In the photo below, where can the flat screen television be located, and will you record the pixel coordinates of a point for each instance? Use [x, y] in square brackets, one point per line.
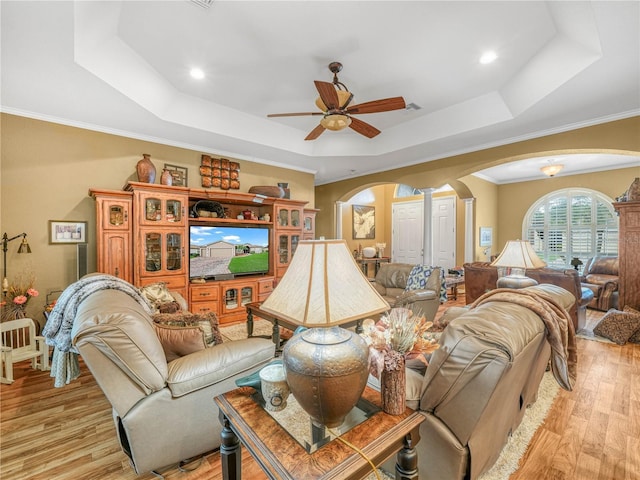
[223, 251]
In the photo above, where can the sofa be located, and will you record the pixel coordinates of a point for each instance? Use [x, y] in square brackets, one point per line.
[479, 382]
[391, 282]
[163, 411]
[481, 277]
[600, 276]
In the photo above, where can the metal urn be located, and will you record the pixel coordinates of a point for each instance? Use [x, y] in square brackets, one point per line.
[327, 370]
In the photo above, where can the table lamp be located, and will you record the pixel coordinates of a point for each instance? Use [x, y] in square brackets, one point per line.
[576, 262]
[517, 256]
[326, 366]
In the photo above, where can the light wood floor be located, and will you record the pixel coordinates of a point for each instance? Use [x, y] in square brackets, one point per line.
[590, 433]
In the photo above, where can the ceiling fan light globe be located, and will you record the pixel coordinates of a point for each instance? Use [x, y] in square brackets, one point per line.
[343, 96]
[335, 122]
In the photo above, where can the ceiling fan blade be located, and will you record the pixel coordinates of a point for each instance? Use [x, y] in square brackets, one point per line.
[299, 114]
[363, 128]
[328, 94]
[315, 133]
[375, 106]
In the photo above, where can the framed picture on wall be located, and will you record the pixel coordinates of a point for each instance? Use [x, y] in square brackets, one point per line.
[64, 231]
[364, 222]
[486, 236]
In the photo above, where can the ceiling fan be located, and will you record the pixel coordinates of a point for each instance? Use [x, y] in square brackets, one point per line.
[336, 113]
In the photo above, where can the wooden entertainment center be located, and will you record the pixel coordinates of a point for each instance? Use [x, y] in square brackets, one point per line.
[143, 237]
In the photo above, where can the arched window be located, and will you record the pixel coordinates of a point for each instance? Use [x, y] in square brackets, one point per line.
[403, 191]
[572, 223]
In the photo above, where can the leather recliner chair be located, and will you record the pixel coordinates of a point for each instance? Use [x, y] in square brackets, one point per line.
[163, 412]
[391, 282]
[478, 384]
[600, 275]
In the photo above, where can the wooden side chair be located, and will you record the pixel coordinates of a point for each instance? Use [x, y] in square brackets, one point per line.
[20, 342]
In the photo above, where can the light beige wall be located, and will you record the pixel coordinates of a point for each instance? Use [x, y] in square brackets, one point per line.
[47, 170]
[515, 199]
[621, 137]
[376, 197]
[485, 209]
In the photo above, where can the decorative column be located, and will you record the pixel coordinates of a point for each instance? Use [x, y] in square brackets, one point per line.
[468, 230]
[338, 219]
[427, 240]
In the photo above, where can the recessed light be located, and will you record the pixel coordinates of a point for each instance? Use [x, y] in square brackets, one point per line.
[197, 73]
[488, 57]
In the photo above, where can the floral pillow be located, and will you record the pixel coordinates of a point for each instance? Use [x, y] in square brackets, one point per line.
[157, 294]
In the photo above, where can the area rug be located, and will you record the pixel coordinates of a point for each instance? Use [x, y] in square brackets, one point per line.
[587, 334]
[517, 444]
[239, 331]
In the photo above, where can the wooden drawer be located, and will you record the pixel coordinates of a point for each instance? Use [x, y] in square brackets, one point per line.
[173, 282]
[204, 294]
[265, 286]
[204, 307]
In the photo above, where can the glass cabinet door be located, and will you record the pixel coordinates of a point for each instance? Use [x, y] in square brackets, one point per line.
[174, 251]
[117, 215]
[247, 295]
[231, 298]
[163, 252]
[283, 217]
[283, 249]
[153, 209]
[173, 211]
[295, 218]
[153, 252]
[294, 243]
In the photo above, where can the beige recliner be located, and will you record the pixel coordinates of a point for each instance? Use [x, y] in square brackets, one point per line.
[391, 282]
[163, 412]
[478, 385]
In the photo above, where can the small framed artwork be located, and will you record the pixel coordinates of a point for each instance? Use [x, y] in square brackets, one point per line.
[178, 174]
[364, 222]
[64, 231]
[486, 236]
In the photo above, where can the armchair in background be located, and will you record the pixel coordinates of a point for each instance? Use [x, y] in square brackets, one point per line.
[600, 275]
[395, 283]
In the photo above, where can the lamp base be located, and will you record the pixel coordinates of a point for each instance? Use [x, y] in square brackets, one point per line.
[327, 370]
[515, 281]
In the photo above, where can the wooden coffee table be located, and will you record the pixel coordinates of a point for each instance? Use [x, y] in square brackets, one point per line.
[282, 457]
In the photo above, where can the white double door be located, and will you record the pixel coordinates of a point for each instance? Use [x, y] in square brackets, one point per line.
[408, 232]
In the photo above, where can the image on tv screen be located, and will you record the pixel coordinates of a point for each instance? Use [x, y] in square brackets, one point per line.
[227, 250]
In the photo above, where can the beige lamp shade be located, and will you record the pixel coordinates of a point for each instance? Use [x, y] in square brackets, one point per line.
[323, 286]
[518, 254]
[335, 122]
[343, 96]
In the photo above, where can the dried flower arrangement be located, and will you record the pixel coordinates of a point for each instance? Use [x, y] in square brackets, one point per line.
[399, 335]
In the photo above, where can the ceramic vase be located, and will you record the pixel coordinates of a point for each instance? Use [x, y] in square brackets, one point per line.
[633, 194]
[166, 178]
[393, 386]
[327, 370]
[146, 170]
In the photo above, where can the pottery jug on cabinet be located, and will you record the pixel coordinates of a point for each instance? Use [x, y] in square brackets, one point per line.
[166, 178]
[146, 170]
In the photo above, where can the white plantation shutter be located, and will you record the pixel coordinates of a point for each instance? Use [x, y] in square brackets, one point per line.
[572, 223]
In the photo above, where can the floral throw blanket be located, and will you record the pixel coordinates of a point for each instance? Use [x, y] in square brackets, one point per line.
[57, 330]
[559, 327]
